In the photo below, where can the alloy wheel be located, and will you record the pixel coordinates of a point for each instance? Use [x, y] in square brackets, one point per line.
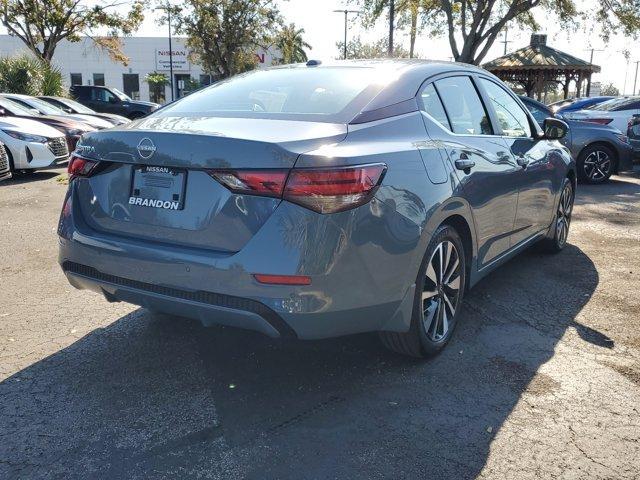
[597, 165]
[563, 220]
[441, 291]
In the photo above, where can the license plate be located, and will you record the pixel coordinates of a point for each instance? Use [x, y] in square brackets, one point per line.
[158, 187]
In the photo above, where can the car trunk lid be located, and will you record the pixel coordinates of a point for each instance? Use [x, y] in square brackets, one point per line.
[153, 183]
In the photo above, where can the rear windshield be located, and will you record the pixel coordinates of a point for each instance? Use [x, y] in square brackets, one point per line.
[327, 94]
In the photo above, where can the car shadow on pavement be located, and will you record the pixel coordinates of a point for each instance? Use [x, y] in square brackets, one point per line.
[152, 396]
[21, 178]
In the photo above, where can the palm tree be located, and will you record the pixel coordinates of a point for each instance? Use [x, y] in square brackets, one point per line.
[291, 44]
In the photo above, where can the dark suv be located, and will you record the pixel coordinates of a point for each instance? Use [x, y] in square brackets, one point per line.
[111, 100]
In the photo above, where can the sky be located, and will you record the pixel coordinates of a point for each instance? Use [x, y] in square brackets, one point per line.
[323, 28]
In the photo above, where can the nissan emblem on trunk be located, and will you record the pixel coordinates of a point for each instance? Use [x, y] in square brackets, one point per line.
[146, 148]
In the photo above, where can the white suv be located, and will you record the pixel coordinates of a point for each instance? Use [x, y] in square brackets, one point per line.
[32, 145]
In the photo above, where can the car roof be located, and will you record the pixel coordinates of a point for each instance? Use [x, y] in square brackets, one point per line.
[408, 75]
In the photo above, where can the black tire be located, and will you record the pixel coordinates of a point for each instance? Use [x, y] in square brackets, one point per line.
[561, 220]
[437, 303]
[12, 167]
[596, 163]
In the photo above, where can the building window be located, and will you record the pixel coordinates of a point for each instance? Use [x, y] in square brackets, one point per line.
[76, 79]
[131, 85]
[98, 79]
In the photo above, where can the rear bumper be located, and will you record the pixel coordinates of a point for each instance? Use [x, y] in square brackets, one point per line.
[208, 307]
[359, 283]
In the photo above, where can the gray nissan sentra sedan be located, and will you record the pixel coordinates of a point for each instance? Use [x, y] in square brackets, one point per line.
[319, 200]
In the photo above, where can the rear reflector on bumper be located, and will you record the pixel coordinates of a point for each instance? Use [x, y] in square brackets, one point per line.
[325, 190]
[282, 279]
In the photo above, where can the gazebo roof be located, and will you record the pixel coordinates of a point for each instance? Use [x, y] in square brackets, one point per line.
[539, 56]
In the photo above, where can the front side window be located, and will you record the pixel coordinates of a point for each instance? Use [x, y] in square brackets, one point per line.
[463, 105]
[513, 120]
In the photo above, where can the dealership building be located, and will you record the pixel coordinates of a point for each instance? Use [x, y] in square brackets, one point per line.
[84, 63]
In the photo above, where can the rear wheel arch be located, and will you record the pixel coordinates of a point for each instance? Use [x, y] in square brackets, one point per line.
[12, 167]
[462, 227]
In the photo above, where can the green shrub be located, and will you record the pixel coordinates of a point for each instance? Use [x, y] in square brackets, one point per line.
[28, 75]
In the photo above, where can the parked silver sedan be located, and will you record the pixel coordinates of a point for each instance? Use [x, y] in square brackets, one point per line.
[600, 150]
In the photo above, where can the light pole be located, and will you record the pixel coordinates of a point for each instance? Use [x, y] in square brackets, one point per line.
[346, 14]
[392, 14]
[167, 8]
[636, 79]
[591, 62]
[506, 41]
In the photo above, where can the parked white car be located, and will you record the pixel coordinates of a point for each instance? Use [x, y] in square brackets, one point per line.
[5, 171]
[615, 112]
[45, 108]
[32, 145]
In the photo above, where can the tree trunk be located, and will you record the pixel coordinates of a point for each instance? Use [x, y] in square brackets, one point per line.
[414, 28]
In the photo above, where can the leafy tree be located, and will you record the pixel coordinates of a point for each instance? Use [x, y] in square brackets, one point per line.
[379, 49]
[610, 90]
[414, 14]
[43, 24]
[479, 22]
[473, 26]
[291, 44]
[224, 34]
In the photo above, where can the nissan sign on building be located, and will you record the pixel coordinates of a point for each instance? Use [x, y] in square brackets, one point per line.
[180, 60]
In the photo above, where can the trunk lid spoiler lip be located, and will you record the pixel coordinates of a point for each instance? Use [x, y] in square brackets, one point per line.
[210, 149]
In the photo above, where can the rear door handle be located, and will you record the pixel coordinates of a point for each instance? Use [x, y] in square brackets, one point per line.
[465, 164]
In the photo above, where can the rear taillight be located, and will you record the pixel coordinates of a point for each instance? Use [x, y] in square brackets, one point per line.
[325, 190]
[601, 121]
[256, 182]
[335, 189]
[80, 167]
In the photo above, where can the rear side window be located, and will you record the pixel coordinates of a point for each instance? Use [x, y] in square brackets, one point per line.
[513, 120]
[80, 92]
[464, 108]
[432, 104]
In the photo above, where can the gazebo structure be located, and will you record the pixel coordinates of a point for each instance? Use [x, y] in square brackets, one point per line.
[538, 64]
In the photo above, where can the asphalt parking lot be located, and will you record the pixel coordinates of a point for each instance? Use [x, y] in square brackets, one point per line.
[542, 379]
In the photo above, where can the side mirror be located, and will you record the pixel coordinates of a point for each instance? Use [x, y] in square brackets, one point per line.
[554, 129]
[113, 100]
[3, 112]
[35, 111]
